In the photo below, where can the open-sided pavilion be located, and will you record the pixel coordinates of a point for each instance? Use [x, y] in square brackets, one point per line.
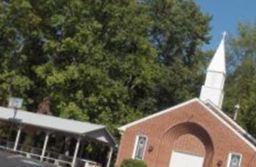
[51, 126]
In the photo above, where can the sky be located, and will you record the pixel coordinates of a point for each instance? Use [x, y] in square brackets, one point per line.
[226, 15]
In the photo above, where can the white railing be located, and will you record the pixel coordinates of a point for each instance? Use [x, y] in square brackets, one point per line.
[50, 156]
[88, 163]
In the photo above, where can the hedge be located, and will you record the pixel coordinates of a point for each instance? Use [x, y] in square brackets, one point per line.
[133, 163]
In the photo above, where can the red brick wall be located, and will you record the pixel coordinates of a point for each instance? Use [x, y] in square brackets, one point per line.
[190, 128]
[189, 144]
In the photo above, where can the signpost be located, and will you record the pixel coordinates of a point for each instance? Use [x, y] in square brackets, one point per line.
[15, 103]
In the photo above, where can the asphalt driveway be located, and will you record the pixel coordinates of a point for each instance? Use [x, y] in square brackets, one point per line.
[14, 160]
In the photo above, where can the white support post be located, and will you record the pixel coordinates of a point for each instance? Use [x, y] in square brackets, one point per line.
[87, 164]
[109, 156]
[76, 152]
[17, 139]
[66, 150]
[45, 145]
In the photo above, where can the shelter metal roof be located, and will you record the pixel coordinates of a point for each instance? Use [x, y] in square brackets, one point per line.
[57, 124]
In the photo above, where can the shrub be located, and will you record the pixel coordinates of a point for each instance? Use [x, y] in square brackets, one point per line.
[133, 163]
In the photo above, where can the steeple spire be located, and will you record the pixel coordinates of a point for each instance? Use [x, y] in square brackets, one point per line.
[218, 61]
[212, 90]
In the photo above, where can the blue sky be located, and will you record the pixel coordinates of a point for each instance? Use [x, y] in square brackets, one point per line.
[226, 15]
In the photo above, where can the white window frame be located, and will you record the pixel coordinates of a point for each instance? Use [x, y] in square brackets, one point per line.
[230, 155]
[136, 145]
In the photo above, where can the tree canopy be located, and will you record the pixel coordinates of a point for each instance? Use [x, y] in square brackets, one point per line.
[241, 82]
[104, 61]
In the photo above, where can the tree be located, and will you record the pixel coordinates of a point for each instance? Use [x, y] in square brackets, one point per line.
[103, 61]
[91, 58]
[241, 82]
[178, 32]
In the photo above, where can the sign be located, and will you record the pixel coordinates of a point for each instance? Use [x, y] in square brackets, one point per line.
[15, 102]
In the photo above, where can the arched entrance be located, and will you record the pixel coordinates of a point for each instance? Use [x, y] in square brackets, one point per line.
[181, 132]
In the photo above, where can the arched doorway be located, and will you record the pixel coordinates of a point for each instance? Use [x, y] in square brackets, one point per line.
[173, 138]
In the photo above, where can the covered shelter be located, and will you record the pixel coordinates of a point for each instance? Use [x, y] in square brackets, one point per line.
[50, 125]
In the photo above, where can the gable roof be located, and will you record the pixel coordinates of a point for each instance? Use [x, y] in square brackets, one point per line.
[56, 123]
[123, 128]
[214, 110]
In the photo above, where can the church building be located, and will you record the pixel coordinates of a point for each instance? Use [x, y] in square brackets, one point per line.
[195, 133]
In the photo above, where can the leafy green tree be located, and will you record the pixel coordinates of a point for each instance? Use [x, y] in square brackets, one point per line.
[241, 83]
[178, 32]
[179, 29]
[92, 58]
[104, 61]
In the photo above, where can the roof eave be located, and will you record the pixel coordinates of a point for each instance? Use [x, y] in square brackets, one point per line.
[125, 127]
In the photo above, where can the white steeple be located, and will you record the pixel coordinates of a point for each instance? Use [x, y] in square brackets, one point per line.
[212, 90]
